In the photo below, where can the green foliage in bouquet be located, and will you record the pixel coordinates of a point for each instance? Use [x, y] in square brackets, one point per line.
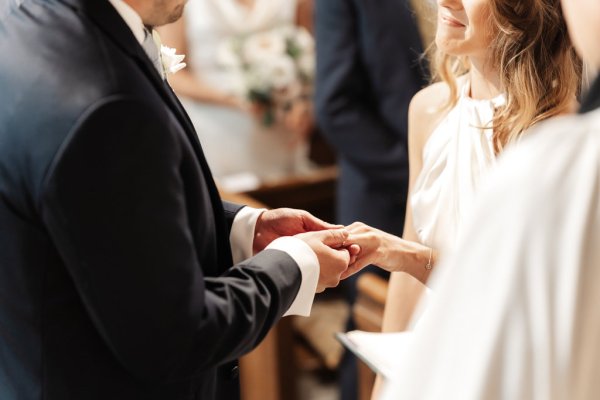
[263, 99]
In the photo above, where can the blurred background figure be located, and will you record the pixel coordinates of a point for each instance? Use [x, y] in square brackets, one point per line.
[247, 86]
[367, 71]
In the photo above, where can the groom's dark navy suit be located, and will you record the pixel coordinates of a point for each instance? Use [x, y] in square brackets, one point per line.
[112, 233]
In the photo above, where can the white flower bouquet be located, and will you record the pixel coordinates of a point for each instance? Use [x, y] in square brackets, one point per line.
[276, 66]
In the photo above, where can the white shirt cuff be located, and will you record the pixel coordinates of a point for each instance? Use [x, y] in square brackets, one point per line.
[308, 263]
[241, 236]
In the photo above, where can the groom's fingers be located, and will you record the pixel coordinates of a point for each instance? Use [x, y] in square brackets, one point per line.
[312, 223]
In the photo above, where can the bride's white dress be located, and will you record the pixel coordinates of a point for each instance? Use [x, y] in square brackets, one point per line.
[457, 158]
[456, 161]
[235, 143]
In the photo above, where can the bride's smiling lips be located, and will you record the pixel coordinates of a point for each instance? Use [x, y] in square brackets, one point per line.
[450, 21]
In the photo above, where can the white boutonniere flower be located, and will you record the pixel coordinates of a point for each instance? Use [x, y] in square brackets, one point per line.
[171, 61]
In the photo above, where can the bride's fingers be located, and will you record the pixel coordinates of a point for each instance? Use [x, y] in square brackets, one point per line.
[352, 269]
[354, 249]
[356, 266]
[365, 240]
[357, 227]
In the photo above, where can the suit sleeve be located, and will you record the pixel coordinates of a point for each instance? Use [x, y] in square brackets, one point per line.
[114, 203]
[231, 210]
[365, 123]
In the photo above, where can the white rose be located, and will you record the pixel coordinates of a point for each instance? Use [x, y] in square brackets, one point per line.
[272, 74]
[286, 31]
[306, 65]
[171, 62]
[263, 45]
[258, 80]
[304, 40]
[281, 71]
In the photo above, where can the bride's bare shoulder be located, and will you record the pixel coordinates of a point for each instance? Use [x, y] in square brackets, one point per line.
[431, 98]
[427, 108]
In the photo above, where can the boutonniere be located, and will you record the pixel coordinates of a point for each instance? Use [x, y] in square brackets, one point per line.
[171, 62]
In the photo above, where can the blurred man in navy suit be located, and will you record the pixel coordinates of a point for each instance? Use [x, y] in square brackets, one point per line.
[367, 71]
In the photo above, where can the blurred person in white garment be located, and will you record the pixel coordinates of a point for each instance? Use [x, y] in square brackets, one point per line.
[239, 146]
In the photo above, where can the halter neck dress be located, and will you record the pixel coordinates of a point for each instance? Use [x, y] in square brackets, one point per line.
[456, 159]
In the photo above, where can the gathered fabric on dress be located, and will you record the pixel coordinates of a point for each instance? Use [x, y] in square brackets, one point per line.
[456, 159]
[234, 141]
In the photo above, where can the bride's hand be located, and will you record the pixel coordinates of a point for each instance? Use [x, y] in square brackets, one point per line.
[374, 246]
[387, 251]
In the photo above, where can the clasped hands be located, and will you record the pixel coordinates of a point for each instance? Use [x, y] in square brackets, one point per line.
[341, 250]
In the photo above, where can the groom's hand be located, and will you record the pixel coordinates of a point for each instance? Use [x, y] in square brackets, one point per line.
[332, 253]
[285, 222]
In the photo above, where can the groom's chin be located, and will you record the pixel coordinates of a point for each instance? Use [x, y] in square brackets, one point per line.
[177, 13]
[166, 12]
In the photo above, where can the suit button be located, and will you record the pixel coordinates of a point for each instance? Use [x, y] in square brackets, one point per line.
[234, 373]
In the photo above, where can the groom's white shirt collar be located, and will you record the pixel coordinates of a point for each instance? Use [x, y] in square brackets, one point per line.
[131, 18]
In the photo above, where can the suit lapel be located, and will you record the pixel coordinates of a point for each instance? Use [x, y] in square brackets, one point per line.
[111, 23]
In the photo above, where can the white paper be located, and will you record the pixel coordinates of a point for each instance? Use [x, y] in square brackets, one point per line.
[382, 352]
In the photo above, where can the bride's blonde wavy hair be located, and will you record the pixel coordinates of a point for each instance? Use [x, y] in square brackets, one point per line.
[540, 72]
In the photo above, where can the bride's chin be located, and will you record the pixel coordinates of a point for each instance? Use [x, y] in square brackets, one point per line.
[448, 46]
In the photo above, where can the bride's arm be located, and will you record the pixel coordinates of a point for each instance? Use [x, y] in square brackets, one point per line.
[424, 114]
[185, 82]
[389, 252]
